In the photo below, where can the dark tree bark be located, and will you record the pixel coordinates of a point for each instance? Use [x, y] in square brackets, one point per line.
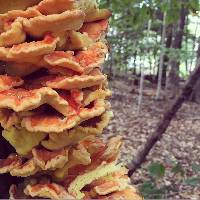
[196, 94]
[166, 58]
[111, 65]
[173, 78]
[168, 43]
[198, 52]
[140, 72]
[186, 43]
[165, 121]
[134, 63]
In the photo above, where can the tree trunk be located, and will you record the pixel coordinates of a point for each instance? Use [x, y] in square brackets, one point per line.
[186, 45]
[142, 68]
[196, 93]
[141, 89]
[150, 64]
[140, 72]
[166, 58]
[166, 120]
[173, 77]
[155, 63]
[134, 63]
[194, 44]
[111, 65]
[168, 43]
[198, 52]
[160, 74]
[126, 63]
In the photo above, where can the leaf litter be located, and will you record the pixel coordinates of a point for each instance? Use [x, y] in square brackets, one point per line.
[178, 150]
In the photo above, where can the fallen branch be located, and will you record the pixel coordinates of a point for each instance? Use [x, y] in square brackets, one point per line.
[165, 121]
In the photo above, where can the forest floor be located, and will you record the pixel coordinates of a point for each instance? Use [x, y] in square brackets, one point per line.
[179, 145]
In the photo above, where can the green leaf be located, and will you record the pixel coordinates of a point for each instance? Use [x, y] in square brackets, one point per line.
[194, 5]
[194, 181]
[178, 169]
[156, 170]
[149, 191]
[147, 187]
[196, 168]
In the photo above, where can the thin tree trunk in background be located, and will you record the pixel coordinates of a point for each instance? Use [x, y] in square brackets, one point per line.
[173, 77]
[126, 64]
[140, 65]
[156, 59]
[194, 43]
[168, 43]
[134, 63]
[196, 93]
[155, 63]
[198, 52]
[142, 75]
[111, 65]
[165, 121]
[141, 89]
[159, 88]
[150, 64]
[186, 45]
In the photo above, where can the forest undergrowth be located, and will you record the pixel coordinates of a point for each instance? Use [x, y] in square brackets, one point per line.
[172, 169]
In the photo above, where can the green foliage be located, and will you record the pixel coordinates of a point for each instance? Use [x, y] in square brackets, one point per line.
[196, 168]
[194, 6]
[154, 187]
[156, 170]
[128, 32]
[150, 190]
[178, 169]
[194, 181]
